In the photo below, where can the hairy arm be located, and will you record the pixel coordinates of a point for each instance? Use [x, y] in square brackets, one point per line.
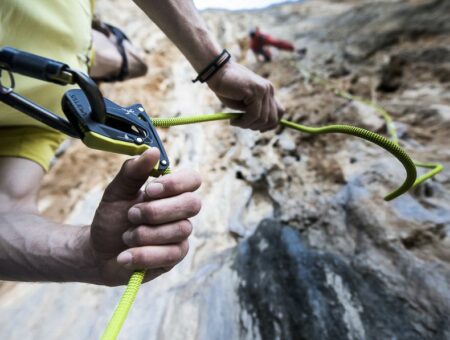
[36, 249]
[132, 228]
[182, 24]
[235, 85]
[33, 248]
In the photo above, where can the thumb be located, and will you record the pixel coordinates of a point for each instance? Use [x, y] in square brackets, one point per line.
[132, 176]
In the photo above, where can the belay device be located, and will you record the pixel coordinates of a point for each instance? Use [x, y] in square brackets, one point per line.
[104, 125]
[98, 122]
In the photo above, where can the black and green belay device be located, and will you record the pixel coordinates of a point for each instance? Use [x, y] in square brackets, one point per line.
[104, 125]
[98, 122]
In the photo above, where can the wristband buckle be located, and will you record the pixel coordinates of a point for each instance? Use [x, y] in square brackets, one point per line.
[213, 67]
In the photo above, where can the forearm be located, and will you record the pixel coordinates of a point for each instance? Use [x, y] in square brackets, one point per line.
[35, 249]
[181, 22]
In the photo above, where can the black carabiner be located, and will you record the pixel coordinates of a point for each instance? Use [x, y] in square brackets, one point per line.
[53, 71]
[12, 83]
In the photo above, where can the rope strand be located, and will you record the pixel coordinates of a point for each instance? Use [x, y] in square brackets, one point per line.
[370, 136]
[435, 167]
[120, 314]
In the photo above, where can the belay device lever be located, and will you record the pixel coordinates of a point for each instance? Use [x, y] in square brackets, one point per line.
[126, 130]
[98, 122]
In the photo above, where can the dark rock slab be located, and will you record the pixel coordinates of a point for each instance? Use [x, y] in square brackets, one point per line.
[293, 292]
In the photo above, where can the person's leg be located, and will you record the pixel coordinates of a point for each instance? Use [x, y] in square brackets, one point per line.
[281, 44]
[258, 54]
[25, 156]
[20, 181]
[267, 55]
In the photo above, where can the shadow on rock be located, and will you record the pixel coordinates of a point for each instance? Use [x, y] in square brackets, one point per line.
[292, 292]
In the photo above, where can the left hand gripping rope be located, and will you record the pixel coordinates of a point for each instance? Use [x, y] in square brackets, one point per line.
[104, 125]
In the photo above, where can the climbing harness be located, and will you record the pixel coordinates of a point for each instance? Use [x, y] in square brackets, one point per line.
[104, 125]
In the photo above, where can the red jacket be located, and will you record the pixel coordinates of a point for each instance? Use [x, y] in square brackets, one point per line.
[260, 40]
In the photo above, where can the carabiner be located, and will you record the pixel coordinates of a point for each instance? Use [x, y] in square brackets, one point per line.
[12, 83]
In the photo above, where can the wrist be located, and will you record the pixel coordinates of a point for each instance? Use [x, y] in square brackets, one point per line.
[215, 81]
[84, 254]
[202, 57]
[213, 67]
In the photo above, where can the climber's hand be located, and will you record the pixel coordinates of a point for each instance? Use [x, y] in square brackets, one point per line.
[241, 89]
[143, 229]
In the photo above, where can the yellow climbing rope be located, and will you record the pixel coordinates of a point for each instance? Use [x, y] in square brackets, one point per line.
[126, 301]
[370, 136]
[434, 167]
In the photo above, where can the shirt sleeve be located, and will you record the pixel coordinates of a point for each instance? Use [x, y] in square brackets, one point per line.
[34, 143]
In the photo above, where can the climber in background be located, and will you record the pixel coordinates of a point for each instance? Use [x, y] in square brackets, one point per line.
[260, 42]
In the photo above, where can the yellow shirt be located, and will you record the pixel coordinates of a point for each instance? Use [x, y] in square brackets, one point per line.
[56, 29]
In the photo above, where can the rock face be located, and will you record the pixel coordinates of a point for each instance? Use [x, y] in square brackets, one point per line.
[392, 22]
[294, 240]
[294, 292]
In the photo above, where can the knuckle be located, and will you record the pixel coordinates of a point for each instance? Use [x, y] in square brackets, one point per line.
[259, 89]
[194, 204]
[184, 228]
[150, 211]
[174, 254]
[138, 258]
[139, 235]
[158, 235]
[249, 92]
[262, 89]
[170, 184]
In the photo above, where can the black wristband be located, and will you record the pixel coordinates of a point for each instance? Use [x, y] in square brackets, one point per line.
[213, 67]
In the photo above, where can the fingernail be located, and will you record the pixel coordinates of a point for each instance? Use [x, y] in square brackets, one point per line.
[127, 238]
[134, 215]
[144, 154]
[125, 258]
[150, 149]
[154, 189]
